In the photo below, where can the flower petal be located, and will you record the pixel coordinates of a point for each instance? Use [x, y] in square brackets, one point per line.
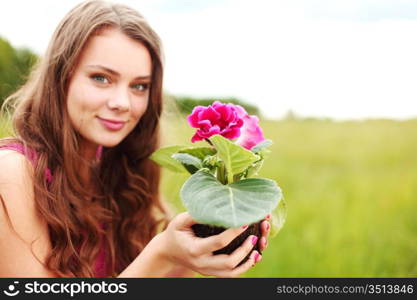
[241, 112]
[231, 133]
[213, 131]
[251, 133]
[193, 117]
[196, 137]
[209, 114]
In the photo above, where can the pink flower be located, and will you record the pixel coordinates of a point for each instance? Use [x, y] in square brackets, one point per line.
[229, 120]
[215, 119]
[251, 133]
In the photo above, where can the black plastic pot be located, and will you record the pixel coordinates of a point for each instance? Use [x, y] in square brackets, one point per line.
[202, 230]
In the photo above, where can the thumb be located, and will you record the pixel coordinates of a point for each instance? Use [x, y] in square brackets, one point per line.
[184, 220]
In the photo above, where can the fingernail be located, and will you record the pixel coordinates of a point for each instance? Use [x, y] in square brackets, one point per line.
[257, 257]
[245, 226]
[254, 240]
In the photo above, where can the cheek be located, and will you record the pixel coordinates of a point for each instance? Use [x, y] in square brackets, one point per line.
[83, 99]
[139, 108]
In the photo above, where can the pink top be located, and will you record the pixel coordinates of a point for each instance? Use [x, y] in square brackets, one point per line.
[100, 266]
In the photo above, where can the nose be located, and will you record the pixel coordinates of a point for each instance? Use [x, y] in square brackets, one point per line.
[119, 100]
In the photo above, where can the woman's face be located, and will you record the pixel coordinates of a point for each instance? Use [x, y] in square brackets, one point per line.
[109, 90]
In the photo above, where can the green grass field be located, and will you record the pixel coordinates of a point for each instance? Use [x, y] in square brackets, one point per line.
[351, 195]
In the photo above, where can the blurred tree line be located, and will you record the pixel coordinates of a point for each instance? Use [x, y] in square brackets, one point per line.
[15, 65]
[186, 104]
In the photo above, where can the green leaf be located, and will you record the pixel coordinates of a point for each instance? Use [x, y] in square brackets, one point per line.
[262, 145]
[211, 162]
[279, 216]
[191, 163]
[232, 205]
[199, 152]
[254, 169]
[235, 157]
[163, 156]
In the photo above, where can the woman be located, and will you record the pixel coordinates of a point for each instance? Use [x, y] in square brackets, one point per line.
[79, 194]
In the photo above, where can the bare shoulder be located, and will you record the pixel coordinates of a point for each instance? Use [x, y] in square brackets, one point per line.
[22, 230]
[14, 166]
[16, 184]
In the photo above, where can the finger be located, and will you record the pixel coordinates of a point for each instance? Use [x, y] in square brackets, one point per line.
[240, 253]
[219, 241]
[184, 220]
[254, 258]
[227, 262]
[263, 243]
[265, 228]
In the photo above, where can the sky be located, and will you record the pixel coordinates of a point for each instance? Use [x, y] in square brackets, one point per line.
[343, 59]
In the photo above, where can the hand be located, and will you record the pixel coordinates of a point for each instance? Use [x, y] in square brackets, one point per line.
[265, 229]
[184, 248]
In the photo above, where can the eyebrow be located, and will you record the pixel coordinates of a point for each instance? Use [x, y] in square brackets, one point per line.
[113, 72]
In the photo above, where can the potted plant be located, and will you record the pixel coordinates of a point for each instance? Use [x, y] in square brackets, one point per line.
[222, 191]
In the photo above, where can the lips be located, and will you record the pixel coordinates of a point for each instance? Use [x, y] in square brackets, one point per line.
[112, 125]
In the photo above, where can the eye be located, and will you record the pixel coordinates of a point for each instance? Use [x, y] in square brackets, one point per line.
[141, 86]
[100, 78]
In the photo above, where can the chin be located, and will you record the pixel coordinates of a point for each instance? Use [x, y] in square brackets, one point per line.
[109, 142]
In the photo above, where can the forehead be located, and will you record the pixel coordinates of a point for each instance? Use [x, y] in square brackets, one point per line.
[113, 49]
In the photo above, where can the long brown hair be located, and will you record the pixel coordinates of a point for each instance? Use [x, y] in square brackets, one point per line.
[124, 203]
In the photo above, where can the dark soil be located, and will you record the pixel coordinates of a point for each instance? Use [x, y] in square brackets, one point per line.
[202, 230]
